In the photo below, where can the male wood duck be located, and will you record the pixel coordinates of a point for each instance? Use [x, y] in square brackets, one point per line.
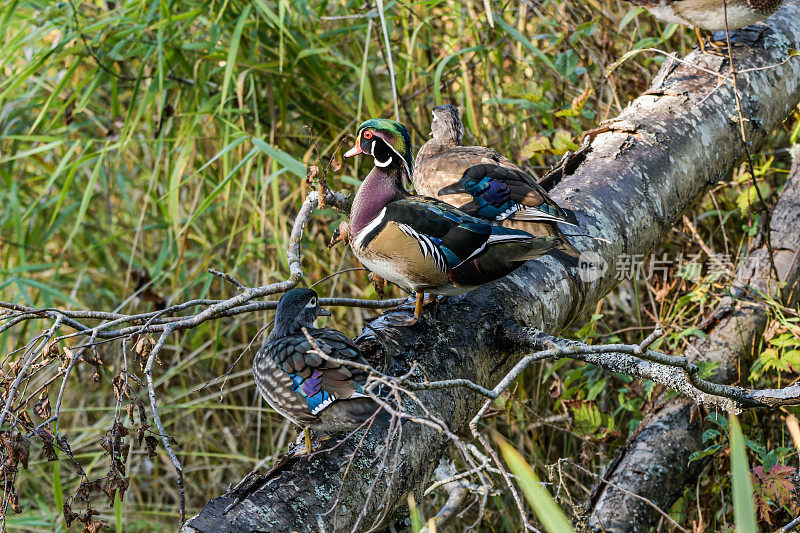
[710, 15]
[302, 386]
[420, 243]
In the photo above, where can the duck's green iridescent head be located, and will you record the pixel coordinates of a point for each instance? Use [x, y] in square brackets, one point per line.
[378, 133]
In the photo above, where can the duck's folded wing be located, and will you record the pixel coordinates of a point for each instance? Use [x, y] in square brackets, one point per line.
[501, 193]
[470, 156]
[448, 234]
[300, 359]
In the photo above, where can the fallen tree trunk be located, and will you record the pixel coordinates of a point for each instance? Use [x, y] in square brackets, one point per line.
[655, 461]
[644, 170]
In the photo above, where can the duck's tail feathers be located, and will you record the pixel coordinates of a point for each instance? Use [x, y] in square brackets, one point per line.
[534, 214]
[570, 217]
[598, 239]
[567, 254]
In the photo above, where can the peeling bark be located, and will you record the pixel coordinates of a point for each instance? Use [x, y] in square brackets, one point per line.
[656, 160]
[654, 463]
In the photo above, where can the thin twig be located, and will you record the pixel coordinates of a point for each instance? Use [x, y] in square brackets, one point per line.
[227, 277]
[22, 371]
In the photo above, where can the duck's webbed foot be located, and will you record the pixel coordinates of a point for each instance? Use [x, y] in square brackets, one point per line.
[309, 446]
[742, 37]
[718, 41]
[397, 316]
[433, 301]
[401, 320]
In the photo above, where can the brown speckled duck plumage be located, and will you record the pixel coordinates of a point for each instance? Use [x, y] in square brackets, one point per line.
[710, 15]
[483, 183]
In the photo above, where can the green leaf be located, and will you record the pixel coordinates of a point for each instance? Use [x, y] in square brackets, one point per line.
[707, 368]
[784, 340]
[230, 64]
[759, 449]
[792, 359]
[744, 510]
[566, 63]
[710, 434]
[596, 389]
[533, 145]
[770, 360]
[285, 160]
[711, 450]
[629, 16]
[546, 509]
[718, 419]
[563, 142]
[770, 460]
[750, 196]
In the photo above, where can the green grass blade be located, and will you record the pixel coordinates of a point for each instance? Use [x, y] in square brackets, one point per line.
[282, 158]
[88, 194]
[417, 522]
[511, 30]
[437, 75]
[744, 510]
[230, 64]
[546, 509]
[118, 508]
[58, 489]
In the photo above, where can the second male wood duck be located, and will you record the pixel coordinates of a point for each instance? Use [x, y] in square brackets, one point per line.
[302, 386]
[420, 243]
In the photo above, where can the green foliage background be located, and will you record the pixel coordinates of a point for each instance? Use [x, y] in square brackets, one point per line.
[170, 137]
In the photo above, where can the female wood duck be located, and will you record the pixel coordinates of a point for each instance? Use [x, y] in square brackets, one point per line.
[710, 15]
[483, 183]
[302, 386]
[420, 243]
[490, 186]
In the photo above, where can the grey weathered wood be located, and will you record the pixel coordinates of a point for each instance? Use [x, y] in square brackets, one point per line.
[654, 463]
[656, 160]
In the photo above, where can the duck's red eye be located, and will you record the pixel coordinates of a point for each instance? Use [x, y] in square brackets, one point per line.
[367, 134]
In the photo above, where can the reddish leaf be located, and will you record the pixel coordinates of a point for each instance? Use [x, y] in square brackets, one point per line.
[25, 418]
[773, 488]
[151, 443]
[69, 515]
[42, 408]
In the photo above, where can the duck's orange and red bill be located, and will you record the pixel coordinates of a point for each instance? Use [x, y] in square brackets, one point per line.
[355, 150]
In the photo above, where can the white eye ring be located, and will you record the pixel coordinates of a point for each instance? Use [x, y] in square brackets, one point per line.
[312, 303]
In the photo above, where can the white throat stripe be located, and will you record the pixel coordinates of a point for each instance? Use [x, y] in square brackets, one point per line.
[383, 164]
[368, 228]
